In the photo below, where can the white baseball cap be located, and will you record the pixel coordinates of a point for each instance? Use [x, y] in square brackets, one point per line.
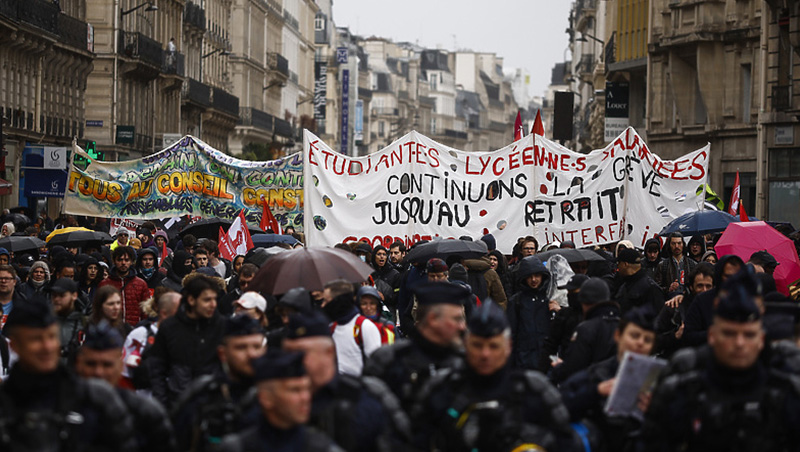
[250, 300]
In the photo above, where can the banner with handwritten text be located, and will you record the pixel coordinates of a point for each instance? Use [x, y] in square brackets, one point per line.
[187, 178]
[417, 189]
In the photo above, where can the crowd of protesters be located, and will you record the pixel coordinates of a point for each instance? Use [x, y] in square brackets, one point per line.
[156, 342]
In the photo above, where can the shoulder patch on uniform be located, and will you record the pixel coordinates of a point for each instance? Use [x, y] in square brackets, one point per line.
[574, 336]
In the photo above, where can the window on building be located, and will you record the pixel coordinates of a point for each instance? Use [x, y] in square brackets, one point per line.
[747, 191]
[381, 129]
[433, 126]
[434, 80]
[747, 92]
[784, 185]
[319, 22]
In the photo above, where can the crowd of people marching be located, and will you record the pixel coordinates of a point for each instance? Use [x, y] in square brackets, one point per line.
[155, 342]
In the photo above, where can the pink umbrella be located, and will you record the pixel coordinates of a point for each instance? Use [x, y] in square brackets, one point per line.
[744, 239]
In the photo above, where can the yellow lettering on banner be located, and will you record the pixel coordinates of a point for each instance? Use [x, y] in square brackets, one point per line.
[193, 182]
[284, 198]
[99, 189]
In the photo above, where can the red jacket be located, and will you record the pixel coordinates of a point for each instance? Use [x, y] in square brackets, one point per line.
[134, 291]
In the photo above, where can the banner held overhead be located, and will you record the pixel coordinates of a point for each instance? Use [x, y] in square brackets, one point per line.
[187, 178]
[418, 189]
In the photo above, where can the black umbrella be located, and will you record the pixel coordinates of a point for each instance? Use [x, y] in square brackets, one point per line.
[268, 240]
[17, 243]
[20, 221]
[445, 248]
[311, 268]
[80, 238]
[209, 228]
[260, 256]
[571, 255]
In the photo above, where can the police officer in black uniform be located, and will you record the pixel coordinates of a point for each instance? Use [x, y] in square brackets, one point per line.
[100, 356]
[43, 406]
[486, 405]
[284, 395]
[728, 399]
[435, 343]
[216, 405]
[359, 414]
[585, 393]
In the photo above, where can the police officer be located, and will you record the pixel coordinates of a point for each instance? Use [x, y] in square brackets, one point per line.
[43, 406]
[100, 356]
[734, 401]
[586, 392]
[435, 343]
[225, 402]
[359, 414]
[487, 405]
[284, 395]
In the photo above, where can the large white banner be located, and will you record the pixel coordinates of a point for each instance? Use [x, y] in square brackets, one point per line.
[418, 189]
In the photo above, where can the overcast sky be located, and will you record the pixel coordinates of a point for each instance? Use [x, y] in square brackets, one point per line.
[528, 34]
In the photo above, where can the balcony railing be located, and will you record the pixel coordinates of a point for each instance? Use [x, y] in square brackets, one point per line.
[174, 63]
[73, 32]
[277, 62]
[227, 103]
[275, 8]
[249, 116]
[455, 134]
[290, 20]
[283, 128]
[139, 46]
[39, 13]
[385, 111]
[194, 91]
[194, 15]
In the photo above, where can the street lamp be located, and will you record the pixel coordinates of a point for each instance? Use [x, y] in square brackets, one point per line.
[150, 7]
[586, 35]
[222, 52]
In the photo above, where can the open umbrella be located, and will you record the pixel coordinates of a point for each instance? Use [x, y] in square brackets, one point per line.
[209, 228]
[268, 240]
[77, 237]
[21, 221]
[260, 256]
[17, 243]
[699, 222]
[311, 268]
[443, 249]
[744, 239]
[572, 255]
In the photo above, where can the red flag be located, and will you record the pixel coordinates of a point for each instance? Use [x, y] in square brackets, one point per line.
[163, 253]
[742, 214]
[518, 133]
[268, 220]
[538, 127]
[733, 206]
[247, 239]
[225, 246]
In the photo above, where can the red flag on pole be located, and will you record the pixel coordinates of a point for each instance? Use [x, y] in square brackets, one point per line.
[225, 246]
[733, 206]
[247, 239]
[163, 253]
[742, 214]
[518, 133]
[538, 127]
[268, 220]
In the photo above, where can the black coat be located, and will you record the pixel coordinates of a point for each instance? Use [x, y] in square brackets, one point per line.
[529, 316]
[559, 338]
[153, 428]
[640, 290]
[184, 349]
[593, 341]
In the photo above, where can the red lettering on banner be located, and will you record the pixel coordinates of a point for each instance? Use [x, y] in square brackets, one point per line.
[485, 164]
[539, 156]
[677, 169]
[494, 167]
[513, 162]
[565, 162]
[474, 173]
[699, 166]
[580, 163]
[420, 154]
[433, 155]
[527, 157]
[312, 146]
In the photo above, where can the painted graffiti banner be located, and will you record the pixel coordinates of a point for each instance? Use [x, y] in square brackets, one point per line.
[418, 189]
[187, 178]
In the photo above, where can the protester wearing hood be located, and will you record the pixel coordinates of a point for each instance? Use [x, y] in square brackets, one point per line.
[38, 279]
[652, 256]
[593, 339]
[529, 313]
[181, 266]
[185, 346]
[5, 256]
[700, 314]
[562, 327]
[133, 289]
[498, 263]
[146, 267]
[90, 277]
[355, 336]
[710, 257]
[697, 247]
